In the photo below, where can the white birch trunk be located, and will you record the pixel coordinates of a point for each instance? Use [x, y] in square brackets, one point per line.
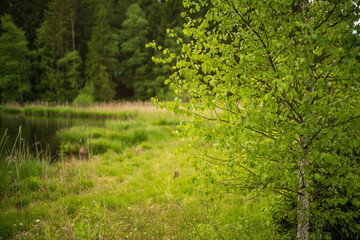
[302, 230]
[303, 211]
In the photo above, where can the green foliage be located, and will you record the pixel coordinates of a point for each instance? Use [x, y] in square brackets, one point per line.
[83, 100]
[99, 140]
[27, 15]
[19, 173]
[283, 214]
[77, 43]
[100, 60]
[135, 67]
[274, 88]
[89, 223]
[75, 112]
[14, 61]
[7, 109]
[138, 195]
[60, 60]
[163, 71]
[71, 63]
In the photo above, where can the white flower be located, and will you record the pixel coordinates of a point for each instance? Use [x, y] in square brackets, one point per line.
[20, 224]
[37, 220]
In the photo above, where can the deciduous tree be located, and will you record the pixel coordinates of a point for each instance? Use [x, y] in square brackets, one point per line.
[274, 88]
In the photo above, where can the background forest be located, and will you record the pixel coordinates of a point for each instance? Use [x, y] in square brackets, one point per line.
[84, 50]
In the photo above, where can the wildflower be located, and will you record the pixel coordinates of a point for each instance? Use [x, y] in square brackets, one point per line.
[37, 220]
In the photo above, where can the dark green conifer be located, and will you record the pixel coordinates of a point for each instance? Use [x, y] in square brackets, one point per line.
[100, 61]
[14, 62]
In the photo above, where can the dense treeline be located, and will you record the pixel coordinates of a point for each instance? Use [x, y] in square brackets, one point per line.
[84, 50]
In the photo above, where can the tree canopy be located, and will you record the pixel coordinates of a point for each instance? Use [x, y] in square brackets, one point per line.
[101, 62]
[79, 45]
[14, 61]
[274, 89]
[135, 66]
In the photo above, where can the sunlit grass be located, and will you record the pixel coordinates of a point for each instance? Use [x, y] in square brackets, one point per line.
[144, 107]
[130, 179]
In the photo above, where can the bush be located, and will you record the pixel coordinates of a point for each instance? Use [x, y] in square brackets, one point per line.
[327, 220]
[83, 100]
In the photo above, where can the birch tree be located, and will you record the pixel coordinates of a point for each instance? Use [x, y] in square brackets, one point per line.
[274, 89]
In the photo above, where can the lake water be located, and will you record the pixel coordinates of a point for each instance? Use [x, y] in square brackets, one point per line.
[42, 129]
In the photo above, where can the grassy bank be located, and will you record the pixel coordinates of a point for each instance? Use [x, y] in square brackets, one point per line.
[124, 189]
[122, 110]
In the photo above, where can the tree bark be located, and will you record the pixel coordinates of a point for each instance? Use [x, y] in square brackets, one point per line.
[72, 31]
[302, 229]
[303, 211]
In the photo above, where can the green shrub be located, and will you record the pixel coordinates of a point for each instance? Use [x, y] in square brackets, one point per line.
[326, 221]
[83, 100]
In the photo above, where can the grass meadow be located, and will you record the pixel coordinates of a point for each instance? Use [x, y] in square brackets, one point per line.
[118, 182]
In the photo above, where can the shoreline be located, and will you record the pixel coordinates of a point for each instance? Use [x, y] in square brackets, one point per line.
[66, 111]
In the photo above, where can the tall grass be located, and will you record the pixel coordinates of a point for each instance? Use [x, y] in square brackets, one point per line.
[124, 190]
[116, 110]
[7, 109]
[20, 175]
[114, 136]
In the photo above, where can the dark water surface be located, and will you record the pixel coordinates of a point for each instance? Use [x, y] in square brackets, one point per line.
[42, 129]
